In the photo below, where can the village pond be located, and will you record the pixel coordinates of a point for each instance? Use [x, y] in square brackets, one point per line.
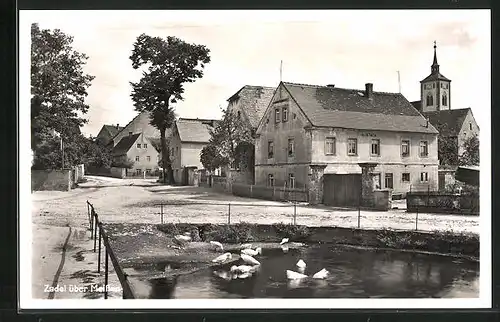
[354, 273]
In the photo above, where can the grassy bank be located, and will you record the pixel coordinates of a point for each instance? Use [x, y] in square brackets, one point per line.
[438, 242]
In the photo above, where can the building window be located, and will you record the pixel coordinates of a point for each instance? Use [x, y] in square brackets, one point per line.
[137, 158]
[129, 133]
[277, 115]
[433, 85]
[352, 146]
[285, 114]
[424, 176]
[138, 171]
[138, 145]
[291, 181]
[430, 100]
[291, 147]
[148, 171]
[239, 114]
[405, 148]
[270, 180]
[444, 100]
[148, 158]
[470, 126]
[270, 150]
[172, 152]
[145, 146]
[330, 146]
[375, 149]
[388, 181]
[424, 149]
[405, 177]
[176, 149]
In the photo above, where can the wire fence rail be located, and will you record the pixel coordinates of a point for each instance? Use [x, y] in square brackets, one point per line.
[97, 232]
[294, 211]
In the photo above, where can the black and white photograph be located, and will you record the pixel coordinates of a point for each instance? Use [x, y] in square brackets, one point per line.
[255, 159]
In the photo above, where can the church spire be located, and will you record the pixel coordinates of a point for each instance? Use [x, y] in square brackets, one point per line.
[435, 65]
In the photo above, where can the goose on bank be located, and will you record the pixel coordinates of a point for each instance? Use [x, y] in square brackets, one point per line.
[291, 275]
[321, 274]
[252, 252]
[222, 258]
[249, 259]
[217, 245]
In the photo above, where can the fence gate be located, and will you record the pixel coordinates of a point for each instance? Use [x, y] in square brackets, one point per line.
[341, 190]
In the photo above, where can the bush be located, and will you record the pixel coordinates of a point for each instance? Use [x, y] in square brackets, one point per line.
[294, 232]
[234, 234]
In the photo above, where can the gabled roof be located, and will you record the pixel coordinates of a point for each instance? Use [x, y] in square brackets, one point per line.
[417, 104]
[195, 130]
[448, 122]
[350, 108]
[254, 101]
[125, 144]
[112, 129]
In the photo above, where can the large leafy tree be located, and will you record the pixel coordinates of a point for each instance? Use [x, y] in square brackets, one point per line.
[166, 64]
[448, 150]
[230, 139]
[470, 156]
[58, 90]
[209, 157]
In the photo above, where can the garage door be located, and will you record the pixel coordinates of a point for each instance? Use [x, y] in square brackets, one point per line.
[342, 190]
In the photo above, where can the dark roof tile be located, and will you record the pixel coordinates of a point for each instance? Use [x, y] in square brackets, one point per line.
[125, 144]
[254, 101]
[350, 108]
[448, 122]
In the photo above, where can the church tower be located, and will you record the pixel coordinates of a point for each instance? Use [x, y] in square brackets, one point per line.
[435, 89]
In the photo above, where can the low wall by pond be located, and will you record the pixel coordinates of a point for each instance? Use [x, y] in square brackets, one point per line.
[438, 242]
[467, 204]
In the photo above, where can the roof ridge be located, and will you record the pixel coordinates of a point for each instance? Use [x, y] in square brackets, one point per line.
[341, 88]
[127, 125]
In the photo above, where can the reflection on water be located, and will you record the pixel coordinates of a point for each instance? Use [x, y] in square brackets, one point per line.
[354, 273]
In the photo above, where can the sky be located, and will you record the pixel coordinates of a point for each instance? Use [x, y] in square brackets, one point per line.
[345, 48]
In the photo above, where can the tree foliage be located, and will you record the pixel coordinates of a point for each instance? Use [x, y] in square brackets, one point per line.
[78, 150]
[58, 90]
[231, 141]
[209, 158]
[470, 156]
[448, 150]
[166, 64]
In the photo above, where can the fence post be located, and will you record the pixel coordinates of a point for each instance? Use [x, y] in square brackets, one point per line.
[92, 213]
[295, 212]
[88, 213]
[229, 215]
[161, 205]
[95, 232]
[359, 216]
[99, 256]
[251, 190]
[416, 221]
[106, 272]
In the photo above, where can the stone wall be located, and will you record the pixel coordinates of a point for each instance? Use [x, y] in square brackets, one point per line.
[118, 172]
[315, 185]
[382, 199]
[59, 180]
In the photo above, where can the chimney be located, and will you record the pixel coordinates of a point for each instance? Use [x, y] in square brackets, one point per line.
[129, 133]
[369, 90]
[117, 126]
[330, 85]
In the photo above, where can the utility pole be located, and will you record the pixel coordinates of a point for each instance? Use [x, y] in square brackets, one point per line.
[399, 82]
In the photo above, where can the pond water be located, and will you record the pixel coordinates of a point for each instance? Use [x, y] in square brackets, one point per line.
[354, 273]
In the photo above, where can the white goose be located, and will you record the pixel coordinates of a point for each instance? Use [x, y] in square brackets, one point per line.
[284, 248]
[284, 241]
[222, 258]
[187, 233]
[249, 259]
[252, 252]
[301, 264]
[242, 269]
[181, 239]
[291, 275]
[321, 274]
[223, 275]
[246, 246]
[217, 245]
